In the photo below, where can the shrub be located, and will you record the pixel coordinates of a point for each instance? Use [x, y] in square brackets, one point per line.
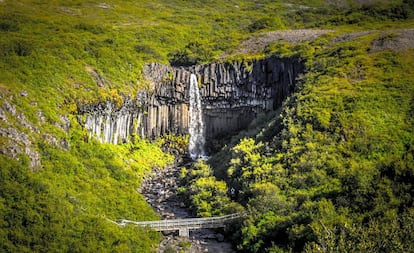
[17, 47]
[147, 50]
[9, 26]
[90, 28]
[193, 53]
[182, 57]
[267, 22]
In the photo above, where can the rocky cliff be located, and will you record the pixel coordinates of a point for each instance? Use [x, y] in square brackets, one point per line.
[232, 96]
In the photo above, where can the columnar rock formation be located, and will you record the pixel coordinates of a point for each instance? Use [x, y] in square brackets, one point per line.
[232, 96]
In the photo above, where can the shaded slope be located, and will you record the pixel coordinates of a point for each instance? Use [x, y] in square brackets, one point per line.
[341, 159]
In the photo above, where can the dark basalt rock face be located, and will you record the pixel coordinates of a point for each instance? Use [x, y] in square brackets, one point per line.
[232, 96]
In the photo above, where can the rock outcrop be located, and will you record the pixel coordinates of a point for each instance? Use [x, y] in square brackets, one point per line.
[232, 96]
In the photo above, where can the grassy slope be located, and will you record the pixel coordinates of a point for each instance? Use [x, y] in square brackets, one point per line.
[343, 155]
[48, 48]
[68, 205]
[334, 170]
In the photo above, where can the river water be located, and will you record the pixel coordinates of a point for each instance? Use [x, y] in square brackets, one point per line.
[160, 189]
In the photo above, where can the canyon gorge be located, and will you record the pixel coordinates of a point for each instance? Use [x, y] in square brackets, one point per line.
[232, 95]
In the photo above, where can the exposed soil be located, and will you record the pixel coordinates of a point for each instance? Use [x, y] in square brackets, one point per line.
[259, 42]
[397, 40]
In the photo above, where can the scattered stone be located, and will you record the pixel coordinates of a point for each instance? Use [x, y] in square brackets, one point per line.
[41, 117]
[396, 40]
[10, 108]
[19, 143]
[64, 143]
[350, 36]
[159, 189]
[2, 115]
[49, 139]
[104, 6]
[64, 124]
[259, 42]
[209, 236]
[220, 237]
[100, 81]
[24, 93]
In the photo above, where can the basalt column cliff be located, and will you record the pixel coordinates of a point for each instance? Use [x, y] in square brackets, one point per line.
[232, 96]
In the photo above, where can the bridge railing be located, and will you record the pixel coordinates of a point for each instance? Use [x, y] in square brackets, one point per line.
[190, 223]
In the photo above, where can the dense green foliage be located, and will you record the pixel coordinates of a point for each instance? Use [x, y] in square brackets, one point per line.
[331, 171]
[207, 195]
[336, 166]
[71, 203]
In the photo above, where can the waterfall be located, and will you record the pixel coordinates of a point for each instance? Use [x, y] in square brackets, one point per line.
[196, 126]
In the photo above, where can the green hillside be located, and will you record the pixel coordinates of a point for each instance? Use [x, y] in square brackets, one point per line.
[335, 166]
[331, 171]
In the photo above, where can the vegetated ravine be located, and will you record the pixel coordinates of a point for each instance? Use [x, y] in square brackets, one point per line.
[232, 95]
[160, 190]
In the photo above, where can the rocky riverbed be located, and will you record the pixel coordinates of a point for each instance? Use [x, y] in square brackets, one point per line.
[159, 189]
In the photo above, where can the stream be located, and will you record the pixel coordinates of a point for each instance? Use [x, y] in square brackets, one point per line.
[159, 189]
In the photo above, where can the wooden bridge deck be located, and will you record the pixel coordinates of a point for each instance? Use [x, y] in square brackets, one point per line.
[184, 225]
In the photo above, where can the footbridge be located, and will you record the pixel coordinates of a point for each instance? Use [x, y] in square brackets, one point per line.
[184, 225]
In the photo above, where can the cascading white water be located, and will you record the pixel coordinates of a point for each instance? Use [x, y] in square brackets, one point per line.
[196, 126]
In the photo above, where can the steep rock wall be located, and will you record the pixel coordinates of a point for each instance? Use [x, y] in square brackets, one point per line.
[232, 96]
[234, 93]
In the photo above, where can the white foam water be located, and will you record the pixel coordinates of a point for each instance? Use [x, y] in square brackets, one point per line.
[196, 126]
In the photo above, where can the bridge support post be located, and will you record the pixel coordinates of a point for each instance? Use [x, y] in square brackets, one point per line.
[184, 232]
